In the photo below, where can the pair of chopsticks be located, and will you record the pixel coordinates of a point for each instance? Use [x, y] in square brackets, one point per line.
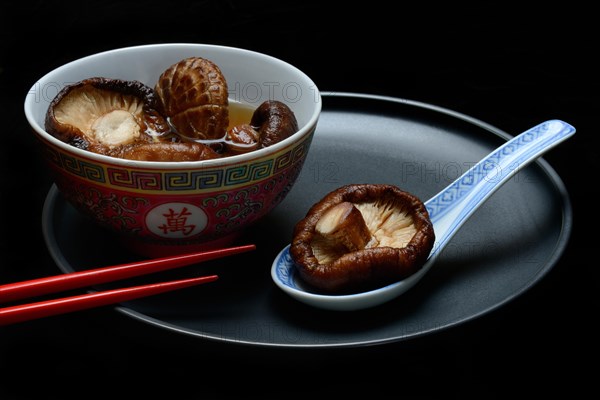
[41, 286]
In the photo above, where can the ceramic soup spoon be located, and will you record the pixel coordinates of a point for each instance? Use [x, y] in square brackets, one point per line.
[448, 210]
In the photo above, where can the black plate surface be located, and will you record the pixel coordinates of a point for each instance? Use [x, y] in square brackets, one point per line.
[507, 246]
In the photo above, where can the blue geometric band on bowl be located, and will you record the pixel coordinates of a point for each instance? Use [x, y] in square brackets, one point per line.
[193, 180]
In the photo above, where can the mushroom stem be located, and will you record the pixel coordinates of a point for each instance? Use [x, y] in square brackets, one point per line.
[116, 128]
[343, 227]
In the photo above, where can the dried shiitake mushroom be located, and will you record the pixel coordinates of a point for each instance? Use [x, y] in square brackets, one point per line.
[242, 139]
[118, 118]
[271, 122]
[105, 115]
[193, 95]
[362, 236]
[274, 122]
[169, 151]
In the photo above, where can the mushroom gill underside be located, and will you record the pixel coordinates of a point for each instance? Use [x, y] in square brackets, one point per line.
[362, 243]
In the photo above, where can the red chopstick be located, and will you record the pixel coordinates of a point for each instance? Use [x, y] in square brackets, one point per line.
[26, 312]
[52, 284]
[74, 280]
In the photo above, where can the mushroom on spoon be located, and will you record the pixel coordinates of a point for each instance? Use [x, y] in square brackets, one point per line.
[448, 211]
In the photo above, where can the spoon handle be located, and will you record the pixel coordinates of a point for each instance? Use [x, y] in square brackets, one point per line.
[451, 207]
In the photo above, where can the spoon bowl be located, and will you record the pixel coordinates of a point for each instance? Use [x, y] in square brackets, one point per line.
[448, 211]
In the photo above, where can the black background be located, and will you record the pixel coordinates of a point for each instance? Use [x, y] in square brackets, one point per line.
[502, 65]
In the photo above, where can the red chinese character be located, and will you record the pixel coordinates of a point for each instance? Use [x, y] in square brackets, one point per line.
[177, 222]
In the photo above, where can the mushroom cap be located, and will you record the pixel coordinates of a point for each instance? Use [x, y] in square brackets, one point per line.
[275, 121]
[105, 113]
[193, 94]
[399, 222]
